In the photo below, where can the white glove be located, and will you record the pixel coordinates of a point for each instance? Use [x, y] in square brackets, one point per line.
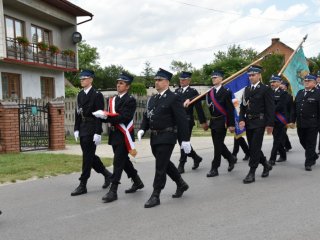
[97, 139]
[100, 114]
[186, 146]
[140, 134]
[76, 135]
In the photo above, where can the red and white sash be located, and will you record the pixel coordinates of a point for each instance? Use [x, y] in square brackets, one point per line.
[126, 130]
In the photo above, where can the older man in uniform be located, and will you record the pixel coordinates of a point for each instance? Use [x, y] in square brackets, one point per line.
[256, 114]
[187, 92]
[121, 110]
[289, 108]
[165, 116]
[281, 121]
[307, 116]
[89, 129]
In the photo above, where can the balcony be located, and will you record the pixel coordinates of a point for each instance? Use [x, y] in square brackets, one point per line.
[31, 54]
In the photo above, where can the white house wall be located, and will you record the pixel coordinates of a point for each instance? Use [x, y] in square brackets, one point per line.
[30, 79]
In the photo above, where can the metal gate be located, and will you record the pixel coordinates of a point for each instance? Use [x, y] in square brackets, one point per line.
[34, 125]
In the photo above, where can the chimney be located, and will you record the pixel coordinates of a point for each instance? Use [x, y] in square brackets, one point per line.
[274, 40]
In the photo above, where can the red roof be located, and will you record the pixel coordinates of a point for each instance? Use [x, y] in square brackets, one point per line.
[69, 7]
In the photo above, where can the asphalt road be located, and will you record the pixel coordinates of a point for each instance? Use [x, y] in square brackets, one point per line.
[284, 206]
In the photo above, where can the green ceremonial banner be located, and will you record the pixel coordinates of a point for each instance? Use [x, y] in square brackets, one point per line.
[296, 70]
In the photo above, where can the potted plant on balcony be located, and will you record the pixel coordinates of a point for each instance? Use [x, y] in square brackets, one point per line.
[68, 53]
[42, 46]
[23, 41]
[54, 50]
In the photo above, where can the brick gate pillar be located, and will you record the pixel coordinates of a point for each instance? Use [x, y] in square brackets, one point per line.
[9, 127]
[56, 126]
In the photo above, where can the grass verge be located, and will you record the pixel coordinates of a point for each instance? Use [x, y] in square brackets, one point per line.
[22, 166]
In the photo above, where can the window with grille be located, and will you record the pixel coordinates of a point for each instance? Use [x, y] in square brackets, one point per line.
[11, 85]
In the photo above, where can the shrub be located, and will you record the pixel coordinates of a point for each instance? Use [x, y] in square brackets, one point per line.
[139, 89]
[71, 91]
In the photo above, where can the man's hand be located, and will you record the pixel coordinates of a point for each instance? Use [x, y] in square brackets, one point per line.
[269, 130]
[242, 124]
[231, 129]
[76, 135]
[140, 134]
[205, 126]
[186, 103]
[186, 146]
[100, 114]
[290, 125]
[97, 139]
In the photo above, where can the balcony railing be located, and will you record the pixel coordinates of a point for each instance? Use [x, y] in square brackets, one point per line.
[33, 54]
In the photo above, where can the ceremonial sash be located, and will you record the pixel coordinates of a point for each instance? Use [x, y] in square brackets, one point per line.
[125, 130]
[218, 106]
[281, 118]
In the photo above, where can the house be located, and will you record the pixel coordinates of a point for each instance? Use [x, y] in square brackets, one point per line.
[38, 43]
[278, 47]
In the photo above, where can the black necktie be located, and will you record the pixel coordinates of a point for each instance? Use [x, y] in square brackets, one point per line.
[252, 88]
[215, 91]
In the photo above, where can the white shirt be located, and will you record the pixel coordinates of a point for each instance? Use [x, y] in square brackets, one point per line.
[121, 95]
[161, 93]
[87, 90]
[255, 85]
[217, 88]
[184, 89]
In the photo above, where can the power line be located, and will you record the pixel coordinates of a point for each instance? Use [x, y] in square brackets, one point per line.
[238, 14]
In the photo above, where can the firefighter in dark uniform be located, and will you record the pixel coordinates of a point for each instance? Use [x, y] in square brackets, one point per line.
[281, 121]
[187, 92]
[256, 114]
[318, 88]
[284, 86]
[219, 101]
[306, 114]
[89, 129]
[164, 116]
[120, 114]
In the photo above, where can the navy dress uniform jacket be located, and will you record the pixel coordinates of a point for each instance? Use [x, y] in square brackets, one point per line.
[257, 107]
[165, 113]
[125, 107]
[86, 123]
[280, 101]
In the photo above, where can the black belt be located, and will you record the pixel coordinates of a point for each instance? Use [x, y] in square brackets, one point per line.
[87, 119]
[217, 117]
[254, 116]
[168, 129]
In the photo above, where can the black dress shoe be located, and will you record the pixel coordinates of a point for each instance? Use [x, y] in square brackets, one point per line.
[213, 172]
[250, 178]
[235, 158]
[152, 202]
[232, 161]
[266, 169]
[181, 167]
[110, 197]
[182, 186]
[246, 158]
[280, 159]
[308, 168]
[196, 162]
[81, 189]
[137, 184]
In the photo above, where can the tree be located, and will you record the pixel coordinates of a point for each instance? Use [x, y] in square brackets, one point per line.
[148, 74]
[272, 64]
[178, 67]
[314, 64]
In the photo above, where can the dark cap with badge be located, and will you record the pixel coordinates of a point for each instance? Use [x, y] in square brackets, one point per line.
[86, 74]
[310, 77]
[285, 83]
[185, 75]
[217, 73]
[125, 77]
[275, 78]
[253, 69]
[163, 74]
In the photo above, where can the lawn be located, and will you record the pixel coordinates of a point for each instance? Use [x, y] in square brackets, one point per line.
[22, 166]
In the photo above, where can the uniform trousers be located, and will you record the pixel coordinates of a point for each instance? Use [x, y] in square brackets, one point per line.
[255, 139]
[218, 136]
[240, 142]
[89, 158]
[162, 154]
[183, 155]
[308, 140]
[121, 161]
[278, 142]
[287, 143]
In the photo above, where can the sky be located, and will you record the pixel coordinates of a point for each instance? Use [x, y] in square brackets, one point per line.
[132, 32]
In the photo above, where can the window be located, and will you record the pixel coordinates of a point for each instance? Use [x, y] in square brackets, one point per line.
[10, 85]
[47, 90]
[14, 27]
[39, 34]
